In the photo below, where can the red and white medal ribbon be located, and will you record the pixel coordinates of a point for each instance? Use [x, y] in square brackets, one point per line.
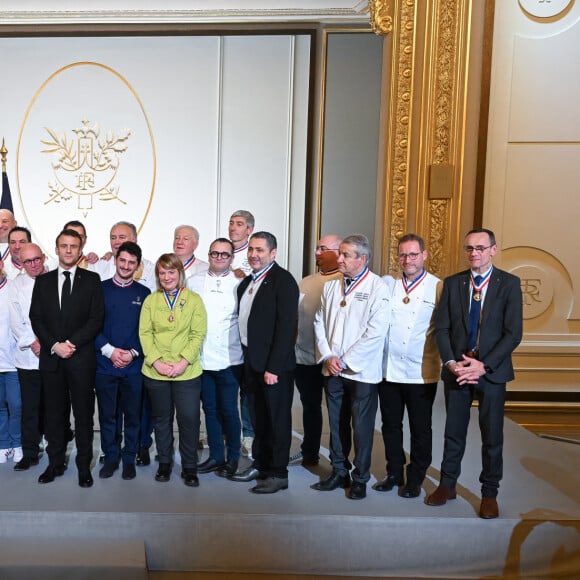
[408, 287]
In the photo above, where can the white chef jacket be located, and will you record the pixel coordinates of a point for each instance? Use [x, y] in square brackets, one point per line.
[221, 347]
[20, 298]
[7, 340]
[354, 332]
[410, 353]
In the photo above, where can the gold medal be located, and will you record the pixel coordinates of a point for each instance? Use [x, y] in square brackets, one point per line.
[343, 303]
[170, 318]
[406, 300]
[477, 296]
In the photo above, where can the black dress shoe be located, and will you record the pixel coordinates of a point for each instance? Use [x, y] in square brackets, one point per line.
[411, 490]
[333, 482]
[209, 465]
[388, 483]
[270, 485]
[189, 477]
[51, 472]
[164, 472]
[107, 470]
[143, 457]
[26, 463]
[246, 475]
[85, 479]
[227, 469]
[357, 490]
[128, 471]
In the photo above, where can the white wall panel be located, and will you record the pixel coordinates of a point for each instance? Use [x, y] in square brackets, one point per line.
[212, 125]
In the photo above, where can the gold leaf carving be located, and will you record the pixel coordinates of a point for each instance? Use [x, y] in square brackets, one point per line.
[381, 16]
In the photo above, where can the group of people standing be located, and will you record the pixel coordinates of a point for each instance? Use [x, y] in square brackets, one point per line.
[190, 333]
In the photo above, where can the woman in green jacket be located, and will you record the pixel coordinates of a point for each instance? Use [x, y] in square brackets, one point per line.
[172, 328]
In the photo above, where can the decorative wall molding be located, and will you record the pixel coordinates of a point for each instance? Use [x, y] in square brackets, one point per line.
[185, 11]
[399, 133]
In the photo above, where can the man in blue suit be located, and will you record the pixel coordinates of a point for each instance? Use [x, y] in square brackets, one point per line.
[477, 327]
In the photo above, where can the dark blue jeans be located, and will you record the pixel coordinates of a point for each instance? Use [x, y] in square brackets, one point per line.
[119, 401]
[219, 396]
[361, 400]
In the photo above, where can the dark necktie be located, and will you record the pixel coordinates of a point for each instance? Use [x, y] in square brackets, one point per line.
[474, 314]
[65, 293]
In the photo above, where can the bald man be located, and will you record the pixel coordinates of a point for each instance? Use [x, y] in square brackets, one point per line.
[122, 232]
[308, 376]
[27, 353]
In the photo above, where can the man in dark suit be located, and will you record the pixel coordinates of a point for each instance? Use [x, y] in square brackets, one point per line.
[66, 313]
[477, 327]
[268, 310]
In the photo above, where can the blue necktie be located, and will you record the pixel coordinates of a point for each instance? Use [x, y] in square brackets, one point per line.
[474, 313]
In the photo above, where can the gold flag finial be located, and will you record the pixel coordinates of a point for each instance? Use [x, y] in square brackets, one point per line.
[3, 152]
[381, 16]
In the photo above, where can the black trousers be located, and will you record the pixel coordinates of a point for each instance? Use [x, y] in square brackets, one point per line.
[418, 399]
[271, 411]
[79, 385]
[491, 398]
[32, 411]
[310, 382]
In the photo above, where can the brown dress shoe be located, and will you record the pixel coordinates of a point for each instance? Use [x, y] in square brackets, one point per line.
[441, 495]
[488, 509]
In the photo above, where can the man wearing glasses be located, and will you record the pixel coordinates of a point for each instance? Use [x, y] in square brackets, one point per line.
[477, 327]
[221, 359]
[309, 380]
[26, 357]
[411, 368]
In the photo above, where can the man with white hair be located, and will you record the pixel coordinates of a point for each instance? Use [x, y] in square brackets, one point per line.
[185, 242]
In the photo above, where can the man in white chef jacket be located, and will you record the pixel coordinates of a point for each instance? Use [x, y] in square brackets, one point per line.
[350, 329]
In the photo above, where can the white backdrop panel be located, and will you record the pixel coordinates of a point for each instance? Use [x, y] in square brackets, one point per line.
[211, 123]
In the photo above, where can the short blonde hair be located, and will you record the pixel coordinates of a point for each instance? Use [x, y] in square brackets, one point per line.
[169, 262]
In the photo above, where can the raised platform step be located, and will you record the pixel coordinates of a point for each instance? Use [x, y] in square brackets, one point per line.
[221, 527]
[79, 559]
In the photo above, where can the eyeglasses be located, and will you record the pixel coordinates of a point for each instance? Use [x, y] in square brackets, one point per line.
[412, 256]
[478, 249]
[36, 260]
[325, 249]
[219, 255]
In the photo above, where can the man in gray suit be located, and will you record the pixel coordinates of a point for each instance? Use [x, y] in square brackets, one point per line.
[477, 327]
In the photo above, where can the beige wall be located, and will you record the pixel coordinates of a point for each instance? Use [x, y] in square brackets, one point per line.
[532, 182]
